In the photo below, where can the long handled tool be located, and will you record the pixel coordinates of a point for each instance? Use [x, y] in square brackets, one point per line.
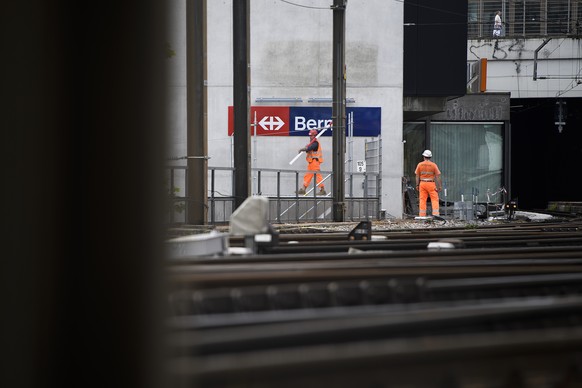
[316, 137]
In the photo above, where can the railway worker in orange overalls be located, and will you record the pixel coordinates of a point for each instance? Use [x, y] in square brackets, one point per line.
[314, 157]
[428, 184]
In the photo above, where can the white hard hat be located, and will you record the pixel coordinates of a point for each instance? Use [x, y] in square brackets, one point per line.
[427, 154]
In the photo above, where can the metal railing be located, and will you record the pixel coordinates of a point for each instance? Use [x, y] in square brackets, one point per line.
[280, 187]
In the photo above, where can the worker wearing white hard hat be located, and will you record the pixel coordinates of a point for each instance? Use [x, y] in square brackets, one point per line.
[428, 184]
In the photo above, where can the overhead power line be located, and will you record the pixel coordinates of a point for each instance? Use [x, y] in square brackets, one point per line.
[304, 6]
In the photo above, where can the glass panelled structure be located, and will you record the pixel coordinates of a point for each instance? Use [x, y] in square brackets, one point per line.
[469, 155]
[525, 18]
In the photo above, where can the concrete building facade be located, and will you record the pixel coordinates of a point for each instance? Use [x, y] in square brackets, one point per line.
[537, 59]
[291, 67]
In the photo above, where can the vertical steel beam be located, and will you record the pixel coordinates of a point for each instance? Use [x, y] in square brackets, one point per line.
[507, 160]
[241, 75]
[197, 132]
[339, 108]
[535, 63]
[483, 75]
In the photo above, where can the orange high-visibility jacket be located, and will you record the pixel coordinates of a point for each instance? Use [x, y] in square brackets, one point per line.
[310, 155]
[427, 170]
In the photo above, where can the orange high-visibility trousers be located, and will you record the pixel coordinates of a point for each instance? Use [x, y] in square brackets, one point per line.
[425, 190]
[313, 166]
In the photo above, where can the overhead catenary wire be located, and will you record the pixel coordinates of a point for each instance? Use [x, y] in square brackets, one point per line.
[397, 1]
[187, 157]
[576, 81]
[303, 6]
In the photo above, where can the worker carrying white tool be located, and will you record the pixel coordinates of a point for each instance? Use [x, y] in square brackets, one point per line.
[428, 183]
[314, 157]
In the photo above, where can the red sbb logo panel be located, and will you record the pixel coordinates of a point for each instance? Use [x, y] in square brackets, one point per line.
[270, 120]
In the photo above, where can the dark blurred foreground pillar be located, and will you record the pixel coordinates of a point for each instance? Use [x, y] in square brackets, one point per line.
[339, 109]
[197, 112]
[241, 81]
[82, 142]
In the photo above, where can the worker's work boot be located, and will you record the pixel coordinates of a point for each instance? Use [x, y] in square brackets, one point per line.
[301, 191]
[321, 191]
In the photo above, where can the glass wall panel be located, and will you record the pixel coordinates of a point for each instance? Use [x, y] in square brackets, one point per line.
[576, 18]
[473, 27]
[558, 17]
[518, 19]
[533, 17]
[470, 157]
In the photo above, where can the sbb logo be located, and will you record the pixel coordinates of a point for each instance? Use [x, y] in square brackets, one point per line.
[271, 123]
[264, 120]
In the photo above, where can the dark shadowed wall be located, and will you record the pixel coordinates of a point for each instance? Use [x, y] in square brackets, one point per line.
[435, 47]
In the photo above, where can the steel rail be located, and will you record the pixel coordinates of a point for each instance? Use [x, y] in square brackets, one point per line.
[312, 233]
[214, 304]
[353, 324]
[422, 243]
[229, 263]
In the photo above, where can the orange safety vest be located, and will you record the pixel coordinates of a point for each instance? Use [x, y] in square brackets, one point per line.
[427, 170]
[309, 156]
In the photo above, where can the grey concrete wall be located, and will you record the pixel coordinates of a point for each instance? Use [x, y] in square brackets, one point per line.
[291, 56]
[476, 107]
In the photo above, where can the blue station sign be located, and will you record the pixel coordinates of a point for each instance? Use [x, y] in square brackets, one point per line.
[297, 121]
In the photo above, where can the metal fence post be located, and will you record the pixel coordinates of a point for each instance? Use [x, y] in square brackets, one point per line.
[279, 196]
[212, 171]
[367, 206]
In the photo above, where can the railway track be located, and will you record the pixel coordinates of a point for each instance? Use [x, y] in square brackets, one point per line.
[328, 232]
[500, 308]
